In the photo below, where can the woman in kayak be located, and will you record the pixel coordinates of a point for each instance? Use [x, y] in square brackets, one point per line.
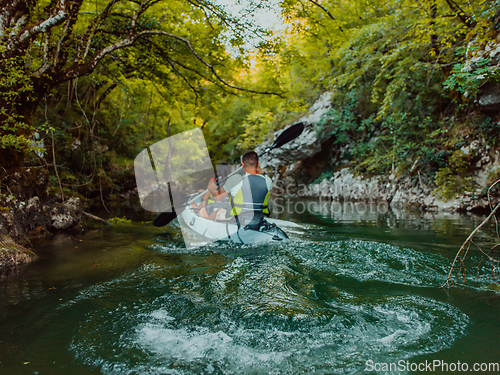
[207, 208]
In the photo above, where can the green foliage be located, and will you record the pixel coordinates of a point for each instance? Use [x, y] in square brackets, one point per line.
[487, 128]
[468, 79]
[454, 179]
[175, 59]
[235, 124]
[395, 70]
[13, 84]
[449, 184]
[120, 221]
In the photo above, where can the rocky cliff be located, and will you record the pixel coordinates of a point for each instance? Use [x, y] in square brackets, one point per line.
[303, 161]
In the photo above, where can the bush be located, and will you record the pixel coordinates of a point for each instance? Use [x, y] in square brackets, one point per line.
[454, 179]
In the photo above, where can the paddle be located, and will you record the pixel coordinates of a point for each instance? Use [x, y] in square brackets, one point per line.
[166, 217]
[285, 137]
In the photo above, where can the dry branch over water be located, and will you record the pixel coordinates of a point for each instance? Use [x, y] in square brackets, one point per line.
[459, 261]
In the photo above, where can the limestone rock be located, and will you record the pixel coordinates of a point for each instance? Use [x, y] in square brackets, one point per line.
[65, 215]
[400, 194]
[489, 97]
[306, 145]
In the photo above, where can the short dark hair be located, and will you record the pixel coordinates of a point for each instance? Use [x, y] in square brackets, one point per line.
[250, 159]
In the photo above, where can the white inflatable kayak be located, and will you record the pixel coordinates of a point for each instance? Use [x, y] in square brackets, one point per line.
[225, 230]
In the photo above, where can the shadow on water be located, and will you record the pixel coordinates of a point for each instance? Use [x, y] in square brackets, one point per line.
[347, 288]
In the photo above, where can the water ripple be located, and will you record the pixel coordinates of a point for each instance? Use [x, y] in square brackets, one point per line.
[299, 307]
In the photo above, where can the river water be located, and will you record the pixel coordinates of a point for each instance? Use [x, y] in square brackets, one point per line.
[353, 290]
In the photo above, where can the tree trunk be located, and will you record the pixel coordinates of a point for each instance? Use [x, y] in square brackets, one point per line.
[434, 38]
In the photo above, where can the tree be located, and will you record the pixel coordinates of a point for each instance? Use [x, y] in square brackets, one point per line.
[44, 43]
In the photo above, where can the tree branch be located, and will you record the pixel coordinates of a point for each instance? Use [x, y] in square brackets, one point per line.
[215, 82]
[449, 280]
[461, 14]
[12, 7]
[212, 8]
[91, 29]
[187, 43]
[46, 47]
[93, 217]
[326, 11]
[171, 63]
[78, 70]
[68, 30]
[42, 27]
[144, 6]
[105, 94]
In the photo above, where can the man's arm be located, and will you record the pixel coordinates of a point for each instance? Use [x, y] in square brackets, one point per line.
[219, 194]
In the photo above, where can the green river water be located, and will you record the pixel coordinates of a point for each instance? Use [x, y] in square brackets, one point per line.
[350, 286]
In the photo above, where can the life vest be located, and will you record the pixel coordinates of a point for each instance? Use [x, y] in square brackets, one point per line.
[252, 197]
[212, 204]
[210, 199]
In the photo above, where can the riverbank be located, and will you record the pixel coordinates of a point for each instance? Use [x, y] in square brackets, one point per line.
[12, 256]
[24, 220]
[31, 209]
[317, 164]
[400, 193]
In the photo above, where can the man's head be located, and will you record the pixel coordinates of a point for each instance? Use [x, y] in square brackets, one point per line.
[250, 161]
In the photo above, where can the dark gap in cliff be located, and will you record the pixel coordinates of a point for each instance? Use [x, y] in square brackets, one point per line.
[310, 168]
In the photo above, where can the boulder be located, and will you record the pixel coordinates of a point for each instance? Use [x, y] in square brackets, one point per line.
[30, 219]
[489, 94]
[12, 255]
[65, 215]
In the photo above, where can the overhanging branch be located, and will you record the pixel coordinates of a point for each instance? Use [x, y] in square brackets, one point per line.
[42, 27]
[91, 30]
[187, 43]
[467, 20]
[77, 70]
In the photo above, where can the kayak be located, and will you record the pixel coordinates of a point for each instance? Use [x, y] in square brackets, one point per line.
[227, 231]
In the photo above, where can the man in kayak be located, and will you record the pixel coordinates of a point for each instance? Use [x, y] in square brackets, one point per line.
[249, 198]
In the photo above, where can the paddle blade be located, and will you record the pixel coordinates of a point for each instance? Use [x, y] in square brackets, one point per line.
[289, 135]
[164, 219]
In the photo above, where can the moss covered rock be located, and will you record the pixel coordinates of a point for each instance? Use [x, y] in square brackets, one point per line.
[12, 255]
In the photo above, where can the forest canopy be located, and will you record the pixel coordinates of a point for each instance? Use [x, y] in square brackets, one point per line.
[85, 85]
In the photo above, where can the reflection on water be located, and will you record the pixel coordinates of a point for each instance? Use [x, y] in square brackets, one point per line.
[435, 231]
[380, 214]
[345, 289]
